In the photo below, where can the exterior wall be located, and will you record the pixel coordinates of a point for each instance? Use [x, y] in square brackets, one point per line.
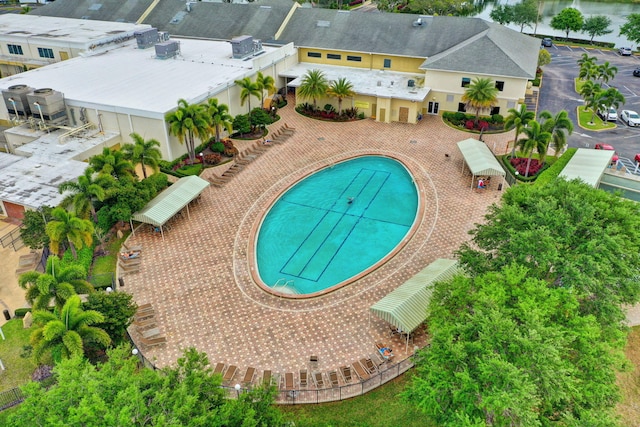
[371, 61]
[413, 107]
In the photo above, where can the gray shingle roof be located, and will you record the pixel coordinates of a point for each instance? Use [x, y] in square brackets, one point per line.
[99, 10]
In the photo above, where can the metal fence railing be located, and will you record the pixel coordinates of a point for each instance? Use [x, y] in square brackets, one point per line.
[12, 239]
[10, 398]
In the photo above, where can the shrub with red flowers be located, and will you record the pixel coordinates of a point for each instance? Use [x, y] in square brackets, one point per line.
[520, 165]
[212, 159]
[469, 124]
[483, 125]
[355, 2]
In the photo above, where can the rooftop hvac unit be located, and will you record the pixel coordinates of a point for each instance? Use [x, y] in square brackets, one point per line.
[15, 99]
[47, 105]
[418, 22]
[146, 38]
[242, 46]
[163, 36]
[411, 83]
[167, 49]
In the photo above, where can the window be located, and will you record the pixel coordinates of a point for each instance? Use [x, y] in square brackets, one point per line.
[466, 81]
[495, 110]
[314, 54]
[354, 58]
[45, 53]
[511, 104]
[449, 98]
[334, 56]
[387, 63]
[461, 107]
[15, 49]
[500, 86]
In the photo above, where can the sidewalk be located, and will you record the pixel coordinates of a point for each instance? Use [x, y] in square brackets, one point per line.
[11, 295]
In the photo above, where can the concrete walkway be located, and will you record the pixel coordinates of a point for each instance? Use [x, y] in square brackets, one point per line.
[11, 295]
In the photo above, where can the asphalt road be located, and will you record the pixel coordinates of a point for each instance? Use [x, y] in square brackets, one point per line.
[558, 93]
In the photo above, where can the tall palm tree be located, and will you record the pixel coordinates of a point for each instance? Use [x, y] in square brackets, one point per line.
[248, 89]
[265, 83]
[57, 283]
[188, 122]
[559, 126]
[585, 58]
[314, 85]
[606, 72]
[145, 153]
[587, 66]
[219, 117]
[340, 89]
[480, 95]
[611, 97]
[518, 119]
[83, 193]
[112, 162]
[67, 331]
[537, 139]
[65, 226]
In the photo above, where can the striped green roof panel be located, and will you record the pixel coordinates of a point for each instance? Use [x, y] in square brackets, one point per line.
[479, 158]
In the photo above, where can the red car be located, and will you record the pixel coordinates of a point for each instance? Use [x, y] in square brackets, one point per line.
[637, 158]
[603, 146]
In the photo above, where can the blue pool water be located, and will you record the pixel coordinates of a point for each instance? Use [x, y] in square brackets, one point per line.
[335, 224]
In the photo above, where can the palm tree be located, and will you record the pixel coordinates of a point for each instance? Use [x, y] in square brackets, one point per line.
[559, 126]
[188, 122]
[537, 139]
[606, 72]
[518, 119]
[585, 58]
[66, 226]
[84, 192]
[248, 89]
[56, 283]
[480, 95]
[219, 115]
[113, 163]
[145, 153]
[314, 85]
[587, 66]
[340, 89]
[67, 331]
[611, 97]
[265, 83]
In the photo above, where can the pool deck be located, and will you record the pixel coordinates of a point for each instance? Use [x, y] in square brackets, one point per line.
[199, 278]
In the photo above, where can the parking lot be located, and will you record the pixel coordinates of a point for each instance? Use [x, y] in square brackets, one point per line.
[558, 93]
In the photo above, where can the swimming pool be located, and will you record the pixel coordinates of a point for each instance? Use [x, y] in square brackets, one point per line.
[334, 225]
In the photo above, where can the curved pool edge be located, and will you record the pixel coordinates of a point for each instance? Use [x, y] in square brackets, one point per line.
[255, 228]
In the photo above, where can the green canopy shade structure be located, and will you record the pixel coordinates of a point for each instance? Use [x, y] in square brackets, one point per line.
[171, 201]
[588, 165]
[480, 159]
[406, 306]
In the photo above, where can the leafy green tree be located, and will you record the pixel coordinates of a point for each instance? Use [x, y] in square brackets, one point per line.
[559, 126]
[117, 309]
[247, 90]
[88, 188]
[596, 26]
[66, 227]
[480, 95]
[340, 89]
[260, 118]
[65, 332]
[569, 19]
[525, 13]
[57, 283]
[113, 162]
[606, 72]
[537, 138]
[314, 85]
[265, 83]
[544, 58]
[144, 153]
[502, 14]
[242, 124]
[32, 231]
[441, 7]
[518, 119]
[188, 122]
[631, 28]
[220, 117]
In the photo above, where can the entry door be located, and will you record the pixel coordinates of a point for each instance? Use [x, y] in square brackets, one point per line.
[64, 56]
[433, 107]
[14, 211]
[374, 110]
[383, 114]
[403, 115]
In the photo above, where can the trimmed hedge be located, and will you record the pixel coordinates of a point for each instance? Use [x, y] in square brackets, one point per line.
[554, 170]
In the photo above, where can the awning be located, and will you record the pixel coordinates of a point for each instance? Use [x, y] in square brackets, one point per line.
[479, 158]
[588, 165]
[406, 306]
[171, 201]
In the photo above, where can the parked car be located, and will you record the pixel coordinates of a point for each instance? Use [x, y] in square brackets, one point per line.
[603, 146]
[636, 72]
[609, 114]
[546, 42]
[631, 118]
[637, 158]
[625, 51]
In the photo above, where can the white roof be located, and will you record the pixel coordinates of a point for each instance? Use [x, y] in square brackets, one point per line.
[365, 82]
[133, 81]
[588, 165]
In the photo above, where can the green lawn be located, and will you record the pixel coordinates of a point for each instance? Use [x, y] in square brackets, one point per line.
[104, 266]
[584, 117]
[17, 363]
[381, 407]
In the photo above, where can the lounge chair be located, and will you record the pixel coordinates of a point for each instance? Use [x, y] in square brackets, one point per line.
[132, 248]
[286, 126]
[377, 358]
[248, 376]
[153, 341]
[345, 371]
[144, 315]
[333, 377]
[288, 381]
[151, 333]
[266, 377]
[318, 379]
[129, 268]
[231, 372]
[145, 323]
[219, 369]
[371, 367]
[360, 371]
[303, 378]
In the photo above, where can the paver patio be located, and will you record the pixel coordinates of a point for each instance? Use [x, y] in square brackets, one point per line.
[198, 278]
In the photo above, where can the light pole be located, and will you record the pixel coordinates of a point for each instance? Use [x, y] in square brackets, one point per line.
[238, 387]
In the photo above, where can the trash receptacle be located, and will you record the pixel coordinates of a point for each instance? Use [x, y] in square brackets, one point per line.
[7, 315]
[121, 282]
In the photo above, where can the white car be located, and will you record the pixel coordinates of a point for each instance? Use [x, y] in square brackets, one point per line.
[608, 114]
[630, 117]
[625, 51]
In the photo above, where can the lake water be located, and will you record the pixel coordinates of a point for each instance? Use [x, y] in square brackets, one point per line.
[617, 12]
